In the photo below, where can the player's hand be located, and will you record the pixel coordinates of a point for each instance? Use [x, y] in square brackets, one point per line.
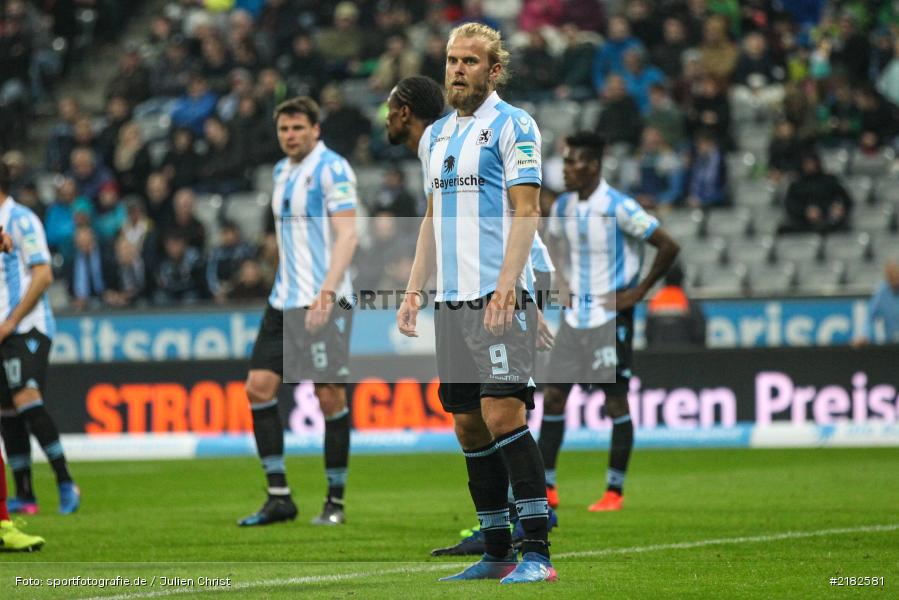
[500, 311]
[626, 299]
[319, 311]
[6, 329]
[5, 241]
[545, 337]
[407, 315]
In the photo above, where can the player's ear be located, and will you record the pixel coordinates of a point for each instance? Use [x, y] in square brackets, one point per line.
[495, 71]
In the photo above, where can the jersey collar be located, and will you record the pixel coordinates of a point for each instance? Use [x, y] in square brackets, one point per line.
[492, 100]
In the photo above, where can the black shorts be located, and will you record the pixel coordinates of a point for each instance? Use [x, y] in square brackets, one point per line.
[322, 357]
[473, 363]
[25, 359]
[600, 357]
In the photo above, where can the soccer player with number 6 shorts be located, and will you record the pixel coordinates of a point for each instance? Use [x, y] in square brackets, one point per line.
[483, 168]
[305, 330]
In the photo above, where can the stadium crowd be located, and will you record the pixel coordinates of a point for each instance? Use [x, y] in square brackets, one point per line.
[671, 84]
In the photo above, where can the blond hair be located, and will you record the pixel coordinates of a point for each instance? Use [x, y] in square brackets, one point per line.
[496, 52]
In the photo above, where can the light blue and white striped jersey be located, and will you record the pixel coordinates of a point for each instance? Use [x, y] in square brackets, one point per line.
[469, 164]
[29, 249]
[306, 195]
[605, 235]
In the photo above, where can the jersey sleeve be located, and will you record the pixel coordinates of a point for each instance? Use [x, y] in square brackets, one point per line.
[520, 150]
[339, 186]
[424, 156]
[633, 220]
[29, 239]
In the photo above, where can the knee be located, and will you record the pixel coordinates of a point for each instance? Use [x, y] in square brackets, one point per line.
[331, 398]
[25, 397]
[259, 389]
[553, 401]
[500, 423]
[472, 437]
[616, 406]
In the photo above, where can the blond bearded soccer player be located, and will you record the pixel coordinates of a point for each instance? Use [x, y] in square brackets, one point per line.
[314, 205]
[483, 167]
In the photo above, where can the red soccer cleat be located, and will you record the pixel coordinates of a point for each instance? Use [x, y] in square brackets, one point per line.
[552, 496]
[610, 501]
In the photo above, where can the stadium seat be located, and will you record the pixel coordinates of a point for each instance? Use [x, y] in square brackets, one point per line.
[248, 210]
[850, 247]
[835, 161]
[154, 127]
[727, 222]
[58, 295]
[805, 248]
[874, 219]
[772, 280]
[46, 186]
[368, 181]
[683, 224]
[263, 179]
[751, 252]
[559, 117]
[886, 190]
[207, 208]
[707, 251]
[766, 219]
[859, 187]
[821, 279]
[753, 193]
[863, 279]
[590, 111]
[723, 280]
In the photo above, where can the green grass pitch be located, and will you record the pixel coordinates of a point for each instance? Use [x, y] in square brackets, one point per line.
[696, 524]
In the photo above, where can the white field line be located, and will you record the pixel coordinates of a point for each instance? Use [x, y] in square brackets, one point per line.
[447, 567]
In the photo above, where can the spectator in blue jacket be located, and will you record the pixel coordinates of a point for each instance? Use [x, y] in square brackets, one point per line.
[884, 307]
[59, 222]
[708, 174]
[610, 56]
[225, 261]
[655, 175]
[192, 109]
[88, 174]
[640, 77]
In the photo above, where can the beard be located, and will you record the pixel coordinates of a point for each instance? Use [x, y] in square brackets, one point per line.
[468, 98]
[397, 138]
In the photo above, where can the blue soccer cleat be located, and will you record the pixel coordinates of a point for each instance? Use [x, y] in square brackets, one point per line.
[488, 567]
[532, 568]
[69, 498]
[275, 510]
[22, 506]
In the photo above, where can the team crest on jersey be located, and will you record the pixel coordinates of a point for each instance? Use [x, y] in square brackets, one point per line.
[526, 154]
[485, 136]
[309, 181]
[449, 164]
